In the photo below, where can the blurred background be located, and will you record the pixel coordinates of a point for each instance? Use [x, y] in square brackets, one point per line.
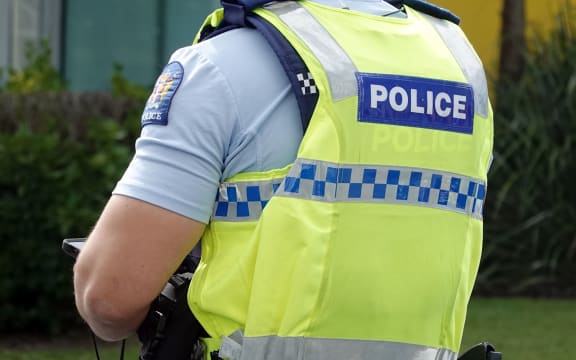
[87, 38]
[74, 76]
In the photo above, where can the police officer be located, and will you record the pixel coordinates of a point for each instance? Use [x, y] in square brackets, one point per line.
[359, 239]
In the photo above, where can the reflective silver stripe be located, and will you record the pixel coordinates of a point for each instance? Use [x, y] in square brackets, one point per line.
[468, 60]
[337, 65]
[331, 182]
[243, 201]
[304, 348]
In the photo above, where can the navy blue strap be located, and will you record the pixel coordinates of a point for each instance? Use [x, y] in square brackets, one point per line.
[250, 4]
[303, 85]
[301, 80]
[235, 11]
[432, 10]
[210, 32]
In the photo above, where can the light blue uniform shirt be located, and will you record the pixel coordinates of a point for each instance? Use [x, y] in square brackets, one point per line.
[233, 112]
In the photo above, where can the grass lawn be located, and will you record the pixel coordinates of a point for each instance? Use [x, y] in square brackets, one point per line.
[523, 329]
[80, 350]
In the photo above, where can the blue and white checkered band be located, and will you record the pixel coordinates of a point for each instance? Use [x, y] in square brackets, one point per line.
[330, 182]
[243, 201]
[324, 181]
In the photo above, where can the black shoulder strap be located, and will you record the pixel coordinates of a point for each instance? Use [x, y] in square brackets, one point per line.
[235, 11]
[238, 14]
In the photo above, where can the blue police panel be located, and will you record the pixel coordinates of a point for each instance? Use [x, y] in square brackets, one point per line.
[417, 102]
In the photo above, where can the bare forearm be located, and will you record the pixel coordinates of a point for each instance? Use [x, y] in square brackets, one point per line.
[126, 261]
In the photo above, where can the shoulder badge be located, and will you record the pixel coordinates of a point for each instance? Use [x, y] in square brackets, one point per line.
[158, 104]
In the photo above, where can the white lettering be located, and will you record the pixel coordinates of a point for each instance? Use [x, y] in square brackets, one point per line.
[426, 102]
[414, 107]
[459, 107]
[429, 102]
[403, 104]
[440, 110]
[152, 116]
[378, 93]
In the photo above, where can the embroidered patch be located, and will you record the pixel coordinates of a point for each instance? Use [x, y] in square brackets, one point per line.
[417, 102]
[158, 104]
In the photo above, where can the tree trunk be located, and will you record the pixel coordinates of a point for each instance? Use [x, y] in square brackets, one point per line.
[513, 43]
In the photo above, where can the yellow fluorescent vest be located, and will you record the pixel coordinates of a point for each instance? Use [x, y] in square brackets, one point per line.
[369, 244]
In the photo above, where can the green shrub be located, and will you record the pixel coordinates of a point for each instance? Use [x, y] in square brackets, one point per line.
[38, 76]
[52, 188]
[60, 156]
[124, 88]
[531, 209]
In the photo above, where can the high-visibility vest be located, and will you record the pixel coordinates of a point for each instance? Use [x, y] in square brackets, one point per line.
[367, 246]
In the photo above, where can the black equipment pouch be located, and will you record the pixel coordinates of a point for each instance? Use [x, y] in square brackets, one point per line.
[170, 330]
[482, 351]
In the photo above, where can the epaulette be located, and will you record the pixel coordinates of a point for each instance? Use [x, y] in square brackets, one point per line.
[433, 10]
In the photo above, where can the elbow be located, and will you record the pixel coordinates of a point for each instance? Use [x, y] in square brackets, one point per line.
[106, 319]
[110, 317]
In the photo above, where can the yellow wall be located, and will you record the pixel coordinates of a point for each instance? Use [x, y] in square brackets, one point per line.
[481, 21]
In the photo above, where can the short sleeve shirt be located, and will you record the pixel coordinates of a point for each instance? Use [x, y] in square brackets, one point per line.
[233, 112]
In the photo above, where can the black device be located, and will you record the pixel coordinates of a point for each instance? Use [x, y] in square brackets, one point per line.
[170, 331]
[482, 351]
[73, 246]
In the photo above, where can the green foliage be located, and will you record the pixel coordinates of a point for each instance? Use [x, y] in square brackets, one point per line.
[38, 76]
[52, 188]
[531, 213]
[61, 154]
[125, 89]
[122, 87]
